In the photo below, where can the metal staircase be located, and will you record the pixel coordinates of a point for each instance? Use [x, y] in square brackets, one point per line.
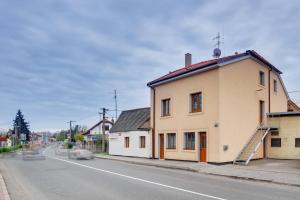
[252, 145]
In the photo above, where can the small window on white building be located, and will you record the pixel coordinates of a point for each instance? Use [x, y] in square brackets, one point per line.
[142, 141]
[126, 141]
[297, 142]
[275, 142]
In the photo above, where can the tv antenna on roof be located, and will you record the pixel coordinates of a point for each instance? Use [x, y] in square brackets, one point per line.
[217, 50]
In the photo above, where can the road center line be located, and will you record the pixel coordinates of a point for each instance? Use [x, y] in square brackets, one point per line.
[138, 179]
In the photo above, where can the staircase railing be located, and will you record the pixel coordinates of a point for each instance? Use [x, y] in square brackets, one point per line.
[260, 127]
[257, 146]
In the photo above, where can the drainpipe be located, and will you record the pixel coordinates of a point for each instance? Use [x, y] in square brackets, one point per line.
[153, 127]
[267, 120]
[270, 90]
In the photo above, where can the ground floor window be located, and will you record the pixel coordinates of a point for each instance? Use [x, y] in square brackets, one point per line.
[171, 140]
[275, 142]
[142, 141]
[189, 140]
[126, 141]
[297, 142]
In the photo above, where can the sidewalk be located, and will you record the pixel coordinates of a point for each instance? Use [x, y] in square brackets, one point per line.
[285, 172]
[3, 191]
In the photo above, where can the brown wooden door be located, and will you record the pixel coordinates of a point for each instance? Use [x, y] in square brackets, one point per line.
[261, 111]
[203, 143]
[161, 146]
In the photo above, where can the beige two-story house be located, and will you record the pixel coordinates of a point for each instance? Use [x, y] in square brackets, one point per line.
[208, 111]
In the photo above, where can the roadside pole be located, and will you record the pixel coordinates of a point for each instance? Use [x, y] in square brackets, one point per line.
[70, 130]
[103, 138]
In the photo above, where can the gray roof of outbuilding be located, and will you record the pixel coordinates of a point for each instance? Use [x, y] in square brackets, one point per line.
[284, 114]
[131, 120]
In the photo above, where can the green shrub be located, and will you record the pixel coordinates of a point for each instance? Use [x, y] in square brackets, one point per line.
[70, 146]
[5, 149]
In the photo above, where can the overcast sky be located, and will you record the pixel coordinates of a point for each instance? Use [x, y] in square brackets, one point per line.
[62, 59]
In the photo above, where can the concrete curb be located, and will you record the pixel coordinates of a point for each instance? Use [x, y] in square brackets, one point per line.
[150, 164]
[197, 171]
[3, 190]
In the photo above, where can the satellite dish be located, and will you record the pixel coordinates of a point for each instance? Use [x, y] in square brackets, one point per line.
[217, 53]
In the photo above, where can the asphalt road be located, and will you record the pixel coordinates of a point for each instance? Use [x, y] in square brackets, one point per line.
[60, 178]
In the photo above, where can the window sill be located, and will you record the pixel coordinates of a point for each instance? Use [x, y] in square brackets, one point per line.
[171, 150]
[262, 86]
[165, 117]
[195, 113]
[189, 150]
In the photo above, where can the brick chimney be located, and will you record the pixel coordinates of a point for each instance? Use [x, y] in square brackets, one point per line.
[188, 59]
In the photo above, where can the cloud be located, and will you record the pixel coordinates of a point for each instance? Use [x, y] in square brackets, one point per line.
[62, 59]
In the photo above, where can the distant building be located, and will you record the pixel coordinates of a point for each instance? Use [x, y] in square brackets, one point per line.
[130, 135]
[93, 133]
[3, 140]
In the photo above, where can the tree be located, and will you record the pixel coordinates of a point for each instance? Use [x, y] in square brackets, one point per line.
[77, 129]
[79, 137]
[21, 126]
[61, 136]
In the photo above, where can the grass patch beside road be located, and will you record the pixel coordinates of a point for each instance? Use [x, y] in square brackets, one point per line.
[9, 149]
[101, 154]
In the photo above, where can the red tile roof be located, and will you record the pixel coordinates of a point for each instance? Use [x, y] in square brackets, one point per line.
[207, 63]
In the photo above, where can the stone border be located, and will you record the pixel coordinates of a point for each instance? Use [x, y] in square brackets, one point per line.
[3, 190]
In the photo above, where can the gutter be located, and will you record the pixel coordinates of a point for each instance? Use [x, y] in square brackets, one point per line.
[270, 90]
[153, 128]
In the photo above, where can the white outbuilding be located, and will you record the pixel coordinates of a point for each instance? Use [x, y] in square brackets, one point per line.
[130, 135]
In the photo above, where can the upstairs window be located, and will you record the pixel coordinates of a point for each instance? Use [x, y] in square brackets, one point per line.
[275, 86]
[165, 107]
[189, 140]
[262, 78]
[171, 140]
[126, 141]
[142, 142]
[196, 102]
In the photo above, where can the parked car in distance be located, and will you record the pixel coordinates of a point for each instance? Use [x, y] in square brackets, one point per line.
[82, 154]
[32, 154]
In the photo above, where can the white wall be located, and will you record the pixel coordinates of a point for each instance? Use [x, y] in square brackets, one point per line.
[117, 144]
[98, 130]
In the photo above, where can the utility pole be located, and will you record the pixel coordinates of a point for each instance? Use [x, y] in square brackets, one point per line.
[103, 138]
[116, 105]
[70, 130]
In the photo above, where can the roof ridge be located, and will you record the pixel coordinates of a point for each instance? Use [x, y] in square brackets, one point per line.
[206, 63]
[136, 109]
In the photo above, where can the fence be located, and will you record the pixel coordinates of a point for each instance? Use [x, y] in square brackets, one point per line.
[96, 146]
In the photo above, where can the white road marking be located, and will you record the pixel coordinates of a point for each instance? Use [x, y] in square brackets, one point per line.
[138, 179]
